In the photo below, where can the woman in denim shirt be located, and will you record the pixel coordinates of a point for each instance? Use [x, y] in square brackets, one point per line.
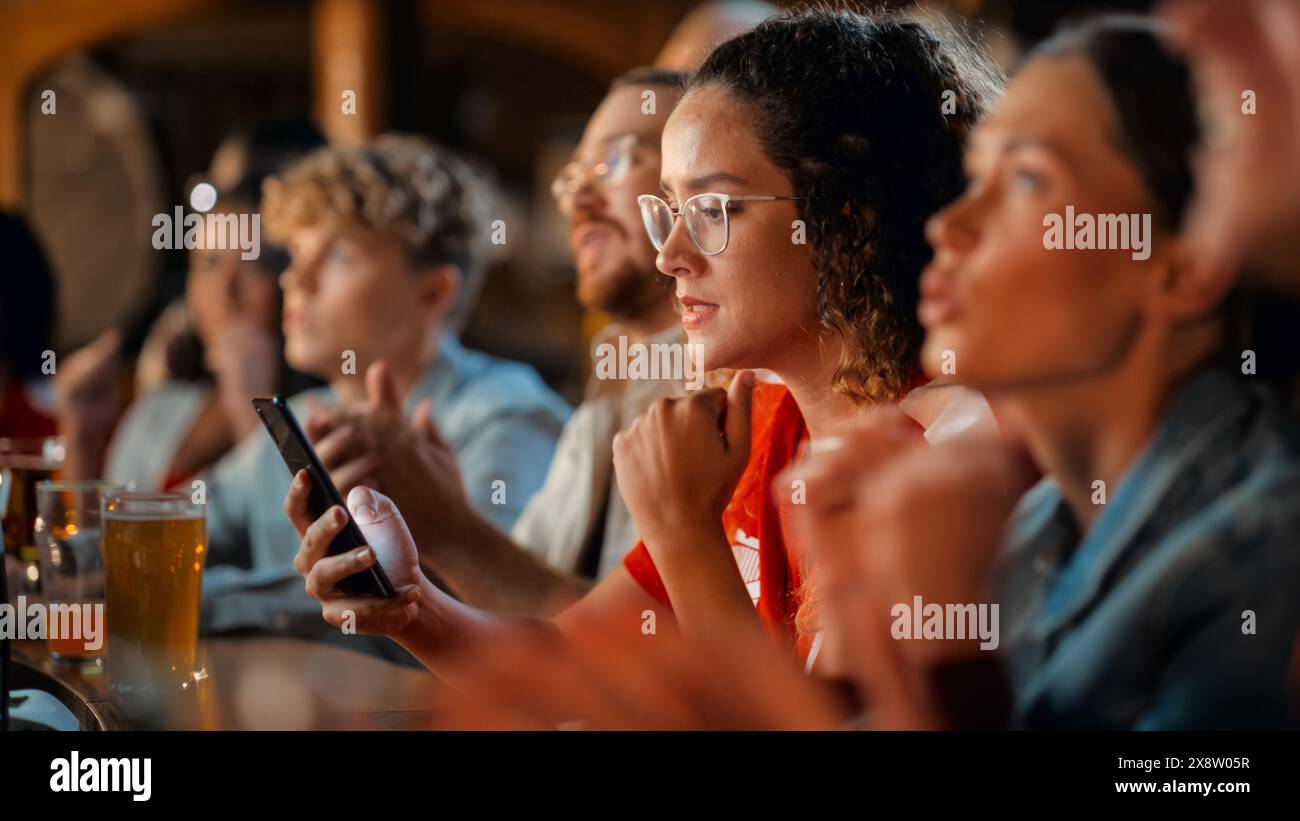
[1152, 579]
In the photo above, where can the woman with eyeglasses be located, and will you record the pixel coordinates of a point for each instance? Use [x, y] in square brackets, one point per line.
[791, 219]
[798, 172]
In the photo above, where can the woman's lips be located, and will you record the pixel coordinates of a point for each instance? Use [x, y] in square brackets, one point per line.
[293, 322]
[695, 312]
[938, 305]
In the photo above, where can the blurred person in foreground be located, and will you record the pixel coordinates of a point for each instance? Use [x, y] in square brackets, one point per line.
[218, 347]
[1148, 581]
[385, 243]
[1245, 58]
[1247, 205]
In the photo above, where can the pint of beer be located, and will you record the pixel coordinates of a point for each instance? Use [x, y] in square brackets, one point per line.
[154, 547]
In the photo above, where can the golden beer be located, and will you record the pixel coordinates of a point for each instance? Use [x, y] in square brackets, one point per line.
[67, 647]
[153, 548]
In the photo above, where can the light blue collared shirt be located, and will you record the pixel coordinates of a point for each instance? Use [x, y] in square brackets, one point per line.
[1180, 607]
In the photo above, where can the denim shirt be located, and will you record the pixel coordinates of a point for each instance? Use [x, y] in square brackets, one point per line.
[1180, 607]
[500, 419]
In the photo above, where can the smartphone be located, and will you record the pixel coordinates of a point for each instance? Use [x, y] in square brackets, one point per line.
[298, 454]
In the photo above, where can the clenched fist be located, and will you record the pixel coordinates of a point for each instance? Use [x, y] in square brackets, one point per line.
[679, 461]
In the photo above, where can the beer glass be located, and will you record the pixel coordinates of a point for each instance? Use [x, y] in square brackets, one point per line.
[154, 546]
[72, 572]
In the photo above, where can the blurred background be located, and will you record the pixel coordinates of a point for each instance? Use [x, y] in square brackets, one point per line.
[146, 90]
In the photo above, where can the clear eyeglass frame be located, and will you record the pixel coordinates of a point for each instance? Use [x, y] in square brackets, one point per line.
[660, 218]
[611, 170]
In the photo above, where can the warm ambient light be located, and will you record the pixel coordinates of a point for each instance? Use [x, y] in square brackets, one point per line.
[203, 197]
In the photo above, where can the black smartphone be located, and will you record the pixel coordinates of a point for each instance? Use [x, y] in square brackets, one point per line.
[298, 454]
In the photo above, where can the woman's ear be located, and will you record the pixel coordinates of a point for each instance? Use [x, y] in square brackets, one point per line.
[1190, 287]
[439, 285]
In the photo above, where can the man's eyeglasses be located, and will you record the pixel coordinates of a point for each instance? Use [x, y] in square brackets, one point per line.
[609, 171]
[706, 219]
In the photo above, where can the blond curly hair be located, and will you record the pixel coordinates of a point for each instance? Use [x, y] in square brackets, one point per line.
[397, 185]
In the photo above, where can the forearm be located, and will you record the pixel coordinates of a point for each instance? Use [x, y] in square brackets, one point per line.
[242, 420]
[485, 568]
[709, 598]
[234, 398]
[446, 632]
[84, 453]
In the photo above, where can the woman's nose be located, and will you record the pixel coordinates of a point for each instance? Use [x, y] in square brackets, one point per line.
[297, 276]
[679, 257]
[952, 227]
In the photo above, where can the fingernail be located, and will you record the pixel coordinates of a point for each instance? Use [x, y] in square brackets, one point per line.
[411, 593]
[339, 517]
[298, 479]
[363, 555]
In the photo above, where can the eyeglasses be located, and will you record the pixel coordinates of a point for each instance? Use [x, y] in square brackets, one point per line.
[609, 171]
[706, 219]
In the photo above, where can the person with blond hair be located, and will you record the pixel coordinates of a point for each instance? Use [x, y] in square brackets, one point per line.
[385, 243]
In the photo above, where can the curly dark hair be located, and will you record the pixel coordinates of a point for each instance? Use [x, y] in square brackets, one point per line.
[856, 110]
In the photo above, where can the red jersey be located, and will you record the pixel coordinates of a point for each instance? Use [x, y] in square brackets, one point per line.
[768, 562]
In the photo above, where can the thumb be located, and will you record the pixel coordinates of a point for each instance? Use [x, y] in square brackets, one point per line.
[740, 402]
[383, 527]
[422, 422]
[97, 358]
[105, 347]
[381, 389]
[109, 341]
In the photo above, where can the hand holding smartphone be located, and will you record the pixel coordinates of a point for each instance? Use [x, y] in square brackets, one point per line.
[298, 454]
